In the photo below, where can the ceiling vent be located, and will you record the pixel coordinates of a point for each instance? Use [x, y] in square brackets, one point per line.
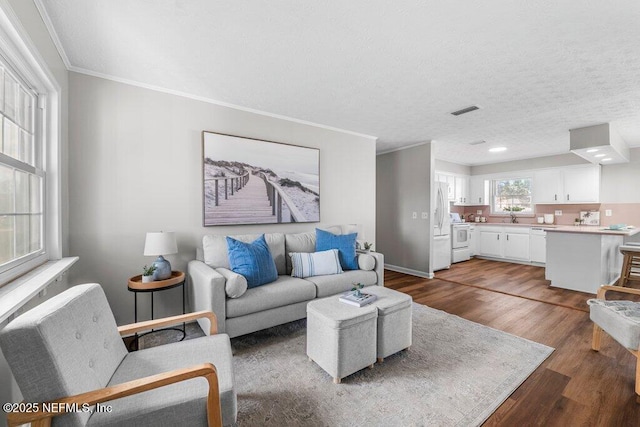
[465, 110]
[599, 144]
[477, 142]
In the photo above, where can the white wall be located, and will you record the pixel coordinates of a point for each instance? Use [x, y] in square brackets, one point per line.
[619, 182]
[136, 166]
[444, 166]
[404, 186]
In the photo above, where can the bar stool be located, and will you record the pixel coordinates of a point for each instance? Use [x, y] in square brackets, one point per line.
[630, 264]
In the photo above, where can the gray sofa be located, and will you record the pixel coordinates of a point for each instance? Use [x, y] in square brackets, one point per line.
[279, 302]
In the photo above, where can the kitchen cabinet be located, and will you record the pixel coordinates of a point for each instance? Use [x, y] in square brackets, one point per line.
[490, 244]
[473, 240]
[478, 191]
[516, 246]
[511, 243]
[579, 184]
[461, 189]
[538, 245]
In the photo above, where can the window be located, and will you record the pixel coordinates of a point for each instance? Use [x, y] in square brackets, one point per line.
[511, 196]
[21, 172]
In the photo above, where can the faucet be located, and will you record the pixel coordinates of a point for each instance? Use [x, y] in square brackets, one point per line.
[514, 218]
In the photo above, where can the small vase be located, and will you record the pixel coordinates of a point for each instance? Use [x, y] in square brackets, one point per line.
[147, 279]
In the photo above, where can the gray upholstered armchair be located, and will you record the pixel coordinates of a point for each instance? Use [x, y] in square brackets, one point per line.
[69, 349]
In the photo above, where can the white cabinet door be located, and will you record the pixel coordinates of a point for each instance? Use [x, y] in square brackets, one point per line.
[478, 191]
[462, 189]
[538, 245]
[582, 184]
[547, 186]
[451, 180]
[516, 246]
[473, 241]
[491, 243]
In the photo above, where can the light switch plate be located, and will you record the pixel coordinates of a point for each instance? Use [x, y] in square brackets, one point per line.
[479, 212]
[425, 215]
[414, 215]
[607, 212]
[558, 213]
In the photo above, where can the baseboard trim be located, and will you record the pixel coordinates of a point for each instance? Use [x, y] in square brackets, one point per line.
[409, 271]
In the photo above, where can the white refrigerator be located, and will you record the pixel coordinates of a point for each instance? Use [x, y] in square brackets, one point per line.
[441, 228]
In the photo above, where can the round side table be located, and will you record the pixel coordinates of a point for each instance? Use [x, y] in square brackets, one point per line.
[136, 286]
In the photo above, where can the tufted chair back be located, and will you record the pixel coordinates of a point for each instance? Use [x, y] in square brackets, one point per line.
[67, 345]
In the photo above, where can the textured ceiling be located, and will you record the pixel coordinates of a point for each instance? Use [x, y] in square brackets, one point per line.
[391, 69]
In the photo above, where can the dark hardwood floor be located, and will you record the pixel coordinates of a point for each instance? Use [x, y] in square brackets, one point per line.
[575, 386]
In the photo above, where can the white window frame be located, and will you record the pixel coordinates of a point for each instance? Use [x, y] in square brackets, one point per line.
[18, 49]
[492, 187]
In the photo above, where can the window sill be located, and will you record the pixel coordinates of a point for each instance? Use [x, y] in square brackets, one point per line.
[18, 292]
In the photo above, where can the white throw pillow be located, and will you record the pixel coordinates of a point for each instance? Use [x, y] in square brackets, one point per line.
[235, 285]
[366, 262]
[315, 263]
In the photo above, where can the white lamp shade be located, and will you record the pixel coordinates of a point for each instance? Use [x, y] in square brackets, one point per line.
[160, 243]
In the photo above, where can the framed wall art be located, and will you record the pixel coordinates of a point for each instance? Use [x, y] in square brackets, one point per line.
[252, 181]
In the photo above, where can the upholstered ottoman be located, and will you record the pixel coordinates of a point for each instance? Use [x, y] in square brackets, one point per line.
[394, 320]
[341, 338]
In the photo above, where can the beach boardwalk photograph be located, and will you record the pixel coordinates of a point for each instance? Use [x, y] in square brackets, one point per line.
[251, 181]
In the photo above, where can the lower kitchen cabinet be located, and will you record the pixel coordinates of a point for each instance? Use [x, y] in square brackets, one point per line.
[516, 246]
[490, 244]
[505, 242]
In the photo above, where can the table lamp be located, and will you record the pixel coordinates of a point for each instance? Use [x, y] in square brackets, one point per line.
[161, 243]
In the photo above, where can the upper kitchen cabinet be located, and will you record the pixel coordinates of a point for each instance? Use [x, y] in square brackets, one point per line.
[478, 191]
[576, 184]
[461, 190]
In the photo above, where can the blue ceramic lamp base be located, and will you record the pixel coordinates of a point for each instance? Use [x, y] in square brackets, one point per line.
[163, 268]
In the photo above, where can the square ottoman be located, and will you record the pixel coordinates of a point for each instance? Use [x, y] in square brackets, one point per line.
[341, 338]
[394, 320]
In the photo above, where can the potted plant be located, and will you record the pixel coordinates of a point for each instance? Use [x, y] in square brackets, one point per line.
[356, 289]
[367, 246]
[577, 221]
[147, 273]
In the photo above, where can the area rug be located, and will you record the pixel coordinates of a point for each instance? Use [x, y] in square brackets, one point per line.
[456, 373]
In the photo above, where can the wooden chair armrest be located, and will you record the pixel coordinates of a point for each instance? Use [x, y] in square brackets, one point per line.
[207, 370]
[604, 288]
[167, 321]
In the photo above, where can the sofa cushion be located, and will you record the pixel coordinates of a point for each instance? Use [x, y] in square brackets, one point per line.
[215, 249]
[337, 283]
[344, 243]
[284, 291]
[235, 285]
[166, 405]
[300, 242]
[252, 260]
[315, 263]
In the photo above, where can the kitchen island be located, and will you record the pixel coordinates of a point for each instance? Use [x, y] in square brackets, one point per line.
[583, 258]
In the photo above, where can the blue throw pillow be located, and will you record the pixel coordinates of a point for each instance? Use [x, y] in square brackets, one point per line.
[344, 243]
[252, 260]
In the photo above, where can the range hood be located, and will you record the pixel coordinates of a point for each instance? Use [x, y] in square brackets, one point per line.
[599, 144]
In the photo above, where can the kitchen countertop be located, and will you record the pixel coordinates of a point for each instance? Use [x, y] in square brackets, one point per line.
[584, 229]
[594, 229]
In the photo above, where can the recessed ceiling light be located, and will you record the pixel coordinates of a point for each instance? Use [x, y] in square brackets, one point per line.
[599, 155]
[606, 160]
[497, 149]
[592, 150]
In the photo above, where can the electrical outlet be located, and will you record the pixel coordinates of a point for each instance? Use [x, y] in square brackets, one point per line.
[414, 215]
[425, 215]
[607, 212]
[479, 212]
[558, 213]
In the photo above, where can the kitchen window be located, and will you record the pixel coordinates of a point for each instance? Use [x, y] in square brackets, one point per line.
[511, 196]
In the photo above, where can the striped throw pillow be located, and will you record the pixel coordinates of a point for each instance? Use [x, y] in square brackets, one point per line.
[315, 263]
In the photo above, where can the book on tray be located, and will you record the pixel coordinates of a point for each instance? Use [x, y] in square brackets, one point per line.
[357, 300]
